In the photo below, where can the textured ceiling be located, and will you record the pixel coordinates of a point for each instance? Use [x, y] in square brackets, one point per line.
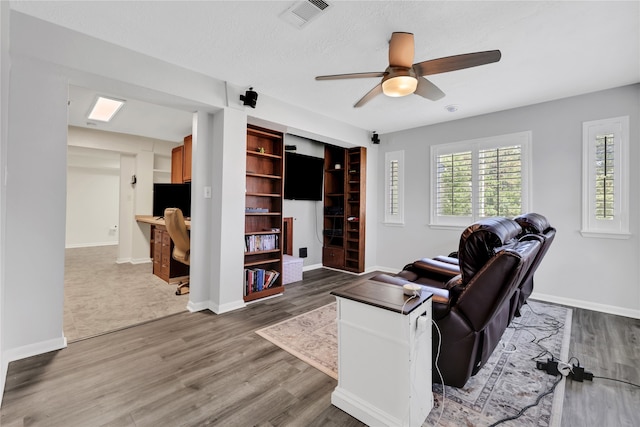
[550, 50]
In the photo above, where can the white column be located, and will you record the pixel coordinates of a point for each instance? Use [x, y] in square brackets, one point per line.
[229, 166]
[126, 219]
[200, 273]
[143, 205]
[217, 223]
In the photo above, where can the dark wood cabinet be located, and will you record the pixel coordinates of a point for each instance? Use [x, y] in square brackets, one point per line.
[186, 159]
[164, 266]
[176, 164]
[344, 208]
[263, 214]
[181, 162]
[333, 256]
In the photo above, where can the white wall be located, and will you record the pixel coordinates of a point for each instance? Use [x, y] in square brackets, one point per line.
[35, 211]
[4, 121]
[92, 207]
[93, 181]
[99, 191]
[36, 142]
[307, 214]
[600, 274]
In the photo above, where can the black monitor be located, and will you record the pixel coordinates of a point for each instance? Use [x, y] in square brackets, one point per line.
[171, 196]
[303, 177]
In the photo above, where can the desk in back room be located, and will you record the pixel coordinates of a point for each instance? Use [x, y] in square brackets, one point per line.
[164, 266]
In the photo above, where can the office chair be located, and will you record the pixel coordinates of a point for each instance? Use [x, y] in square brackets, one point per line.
[177, 229]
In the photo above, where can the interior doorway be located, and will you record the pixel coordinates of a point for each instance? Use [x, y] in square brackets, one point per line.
[102, 294]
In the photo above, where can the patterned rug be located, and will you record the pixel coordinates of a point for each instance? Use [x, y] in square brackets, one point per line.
[508, 381]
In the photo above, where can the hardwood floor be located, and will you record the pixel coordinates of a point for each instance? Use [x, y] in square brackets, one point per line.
[204, 369]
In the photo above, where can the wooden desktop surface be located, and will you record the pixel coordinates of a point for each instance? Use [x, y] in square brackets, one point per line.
[154, 220]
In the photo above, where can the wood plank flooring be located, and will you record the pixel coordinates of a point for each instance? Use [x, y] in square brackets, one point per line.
[204, 369]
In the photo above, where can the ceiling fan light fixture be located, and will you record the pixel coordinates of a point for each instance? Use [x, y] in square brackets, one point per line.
[399, 82]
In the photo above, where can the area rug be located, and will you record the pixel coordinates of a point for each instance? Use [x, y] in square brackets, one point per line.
[508, 382]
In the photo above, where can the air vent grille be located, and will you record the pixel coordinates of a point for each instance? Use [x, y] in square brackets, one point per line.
[303, 12]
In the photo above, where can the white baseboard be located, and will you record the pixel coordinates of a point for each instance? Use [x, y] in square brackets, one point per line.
[383, 269]
[215, 307]
[197, 306]
[572, 302]
[140, 260]
[90, 245]
[362, 410]
[33, 349]
[3, 378]
[23, 352]
[311, 267]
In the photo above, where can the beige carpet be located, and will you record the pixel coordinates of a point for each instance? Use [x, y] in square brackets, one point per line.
[102, 296]
[508, 381]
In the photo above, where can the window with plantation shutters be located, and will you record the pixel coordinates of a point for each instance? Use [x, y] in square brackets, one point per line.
[500, 182]
[480, 178]
[394, 176]
[605, 178]
[453, 184]
[393, 187]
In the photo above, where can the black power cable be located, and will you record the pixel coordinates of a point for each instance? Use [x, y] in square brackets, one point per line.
[522, 411]
[614, 379]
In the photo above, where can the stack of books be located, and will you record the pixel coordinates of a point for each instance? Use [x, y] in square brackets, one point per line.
[260, 242]
[258, 279]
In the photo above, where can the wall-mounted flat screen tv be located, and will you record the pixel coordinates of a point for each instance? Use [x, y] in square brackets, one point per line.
[302, 177]
[171, 196]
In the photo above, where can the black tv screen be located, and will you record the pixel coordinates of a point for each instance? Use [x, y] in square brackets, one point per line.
[171, 196]
[302, 177]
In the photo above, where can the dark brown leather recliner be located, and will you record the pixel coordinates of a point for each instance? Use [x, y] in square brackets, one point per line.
[533, 224]
[472, 309]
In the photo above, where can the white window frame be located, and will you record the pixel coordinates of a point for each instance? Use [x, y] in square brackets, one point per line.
[475, 146]
[398, 217]
[618, 227]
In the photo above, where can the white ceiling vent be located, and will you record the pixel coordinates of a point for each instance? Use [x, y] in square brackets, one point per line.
[303, 12]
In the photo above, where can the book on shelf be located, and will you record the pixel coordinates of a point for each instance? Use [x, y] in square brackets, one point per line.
[258, 279]
[261, 242]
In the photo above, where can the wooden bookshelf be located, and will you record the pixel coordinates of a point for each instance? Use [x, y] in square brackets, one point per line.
[344, 208]
[263, 214]
[355, 208]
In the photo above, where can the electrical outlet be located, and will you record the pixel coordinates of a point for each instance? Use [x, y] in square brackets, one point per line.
[302, 252]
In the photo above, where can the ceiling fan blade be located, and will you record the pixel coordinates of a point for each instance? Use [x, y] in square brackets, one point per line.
[401, 49]
[377, 90]
[428, 90]
[351, 76]
[456, 62]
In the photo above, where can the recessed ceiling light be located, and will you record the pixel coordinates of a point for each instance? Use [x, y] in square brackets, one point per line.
[105, 108]
[452, 108]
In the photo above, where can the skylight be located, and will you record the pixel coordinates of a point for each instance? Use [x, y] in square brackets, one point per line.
[105, 108]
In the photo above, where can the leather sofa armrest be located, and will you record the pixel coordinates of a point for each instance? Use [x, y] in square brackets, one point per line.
[447, 259]
[440, 296]
[426, 267]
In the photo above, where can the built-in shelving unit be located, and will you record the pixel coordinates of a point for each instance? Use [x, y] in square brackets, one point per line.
[263, 214]
[344, 208]
[355, 209]
[334, 197]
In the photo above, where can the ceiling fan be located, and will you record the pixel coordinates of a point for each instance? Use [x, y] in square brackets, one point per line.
[403, 78]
